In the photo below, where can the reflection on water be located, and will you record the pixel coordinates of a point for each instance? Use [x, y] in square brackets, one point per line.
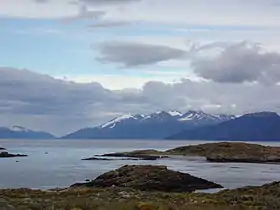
[57, 163]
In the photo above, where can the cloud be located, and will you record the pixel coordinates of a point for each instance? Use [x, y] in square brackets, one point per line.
[41, 1]
[85, 14]
[212, 97]
[183, 12]
[104, 2]
[131, 54]
[42, 102]
[29, 94]
[238, 63]
[108, 23]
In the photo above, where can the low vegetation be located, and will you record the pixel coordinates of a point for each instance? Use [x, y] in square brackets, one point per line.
[266, 197]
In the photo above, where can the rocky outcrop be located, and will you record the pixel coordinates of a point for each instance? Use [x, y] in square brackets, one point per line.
[108, 159]
[8, 155]
[214, 152]
[139, 154]
[232, 152]
[150, 178]
[1, 148]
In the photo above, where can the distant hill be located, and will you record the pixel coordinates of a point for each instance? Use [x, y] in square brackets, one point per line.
[263, 126]
[152, 126]
[18, 132]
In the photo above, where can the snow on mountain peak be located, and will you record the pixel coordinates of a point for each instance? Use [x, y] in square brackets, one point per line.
[113, 122]
[163, 115]
[175, 113]
[195, 115]
[19, 129]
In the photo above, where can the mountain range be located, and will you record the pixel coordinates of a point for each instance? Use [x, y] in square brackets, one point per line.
[156, 125]
[173, 125]
[19, 132]
[262, 126]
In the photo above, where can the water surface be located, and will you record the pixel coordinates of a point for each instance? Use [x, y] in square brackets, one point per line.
[57, 163]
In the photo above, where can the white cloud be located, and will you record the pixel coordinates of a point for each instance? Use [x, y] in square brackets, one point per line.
[256, 13]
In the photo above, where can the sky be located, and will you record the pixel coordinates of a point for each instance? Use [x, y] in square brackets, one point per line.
[69, 64]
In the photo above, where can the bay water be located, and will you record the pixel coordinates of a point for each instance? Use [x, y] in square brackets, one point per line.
[57, 163]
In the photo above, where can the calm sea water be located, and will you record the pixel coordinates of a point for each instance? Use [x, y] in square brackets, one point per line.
[57, 163]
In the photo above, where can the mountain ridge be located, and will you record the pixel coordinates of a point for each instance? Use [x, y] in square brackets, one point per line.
[260, 126]
[20, 132]
[155, 125]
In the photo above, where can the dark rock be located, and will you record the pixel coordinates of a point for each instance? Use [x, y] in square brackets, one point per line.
[94, 158]
[139, 154]
[1, 148]
[8, 155]
[237, 159]
[150, 178]
[231, 152]
[110, 159]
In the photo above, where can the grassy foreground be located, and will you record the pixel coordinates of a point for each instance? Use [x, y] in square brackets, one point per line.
[266, 197]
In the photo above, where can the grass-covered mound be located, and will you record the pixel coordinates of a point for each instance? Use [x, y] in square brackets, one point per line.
[150, 178]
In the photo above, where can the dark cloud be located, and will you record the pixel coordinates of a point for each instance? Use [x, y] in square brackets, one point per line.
[42, 102]
[240, 62]
[137, 54]
[26, 93]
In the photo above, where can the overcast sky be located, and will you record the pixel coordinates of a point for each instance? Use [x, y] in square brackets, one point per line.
[68, 64]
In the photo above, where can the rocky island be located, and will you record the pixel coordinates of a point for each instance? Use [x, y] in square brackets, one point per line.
[138, 154]
[8, 155]
[150, 178]
[215, 152]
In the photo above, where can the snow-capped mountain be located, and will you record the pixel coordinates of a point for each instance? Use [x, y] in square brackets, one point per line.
[262, 126]
[19, 132]
[149, 126]
[19, 129]
[201, 116]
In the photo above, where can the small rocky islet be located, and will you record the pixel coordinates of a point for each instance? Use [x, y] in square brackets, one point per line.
[150, 178]
[9, 155]
[213, 152]
[5, 154]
